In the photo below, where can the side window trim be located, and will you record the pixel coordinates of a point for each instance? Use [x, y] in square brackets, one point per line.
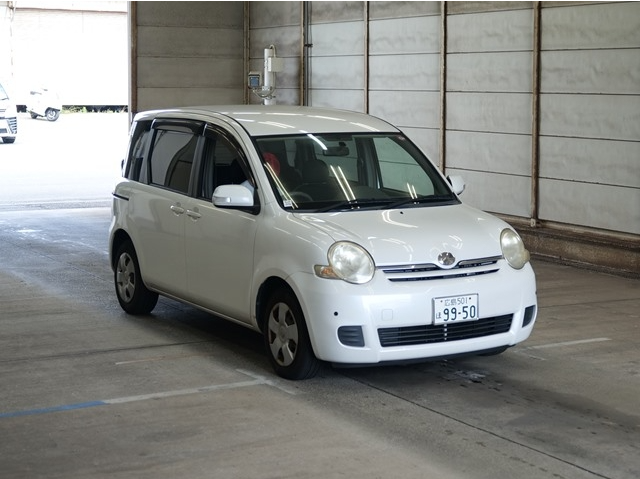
[205, 165]
[138, 151]
[176, 124]
[211, 135]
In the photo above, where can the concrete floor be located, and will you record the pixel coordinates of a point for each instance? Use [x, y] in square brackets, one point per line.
[88, 391]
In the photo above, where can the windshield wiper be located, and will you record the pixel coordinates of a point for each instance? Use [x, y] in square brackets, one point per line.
[422, 200]
[353, 204]
[387, 203]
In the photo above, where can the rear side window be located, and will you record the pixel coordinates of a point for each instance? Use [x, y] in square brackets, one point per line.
[172, 159]
[138, 149]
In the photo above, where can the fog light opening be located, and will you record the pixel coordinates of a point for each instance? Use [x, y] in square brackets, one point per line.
[351, 336]
[529, 314]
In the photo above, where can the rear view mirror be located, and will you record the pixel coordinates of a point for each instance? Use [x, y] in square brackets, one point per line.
[340, 150]
[226, 196]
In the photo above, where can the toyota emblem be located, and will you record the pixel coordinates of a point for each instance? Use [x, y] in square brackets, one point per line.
[446, 259]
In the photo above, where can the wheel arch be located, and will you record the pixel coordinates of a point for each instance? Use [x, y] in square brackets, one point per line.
[118, 239]
[267, 288]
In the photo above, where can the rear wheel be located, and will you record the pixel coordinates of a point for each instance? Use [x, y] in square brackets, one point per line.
[287, 338]
[9, 139]
[52, 114]
[133, 295]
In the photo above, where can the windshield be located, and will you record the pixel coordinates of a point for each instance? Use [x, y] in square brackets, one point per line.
[334, 172]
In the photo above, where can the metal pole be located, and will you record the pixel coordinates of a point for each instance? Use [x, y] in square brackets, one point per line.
[366, 57]
[133, 59]
[306, 52]
[443, 86]
[303, 39]
[535, 120]
[246, 53]
[269, 77]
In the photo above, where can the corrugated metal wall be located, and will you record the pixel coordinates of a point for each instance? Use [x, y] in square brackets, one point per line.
[186, 53]
[489, 103]
[336, 67]
[590, 115]
[404, 69]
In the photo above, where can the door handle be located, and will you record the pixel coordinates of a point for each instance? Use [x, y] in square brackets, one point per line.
[194, 215]
[177, 209]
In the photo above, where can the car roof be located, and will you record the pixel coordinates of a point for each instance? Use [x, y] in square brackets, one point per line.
[261, 120]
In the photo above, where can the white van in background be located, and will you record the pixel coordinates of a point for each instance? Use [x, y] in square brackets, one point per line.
[8, 117]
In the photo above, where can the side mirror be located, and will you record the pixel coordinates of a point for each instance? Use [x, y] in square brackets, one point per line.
[457, 184]
[226, 196]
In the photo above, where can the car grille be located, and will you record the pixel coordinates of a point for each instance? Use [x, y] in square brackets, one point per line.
[13, 123]
[430, 271]
[428, 333]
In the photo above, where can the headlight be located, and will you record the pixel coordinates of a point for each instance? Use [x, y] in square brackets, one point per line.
[349, 262]
[513, 249]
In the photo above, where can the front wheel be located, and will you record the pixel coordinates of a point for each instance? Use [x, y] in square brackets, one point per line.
[52, 114]
[287, 338]
[133, 295]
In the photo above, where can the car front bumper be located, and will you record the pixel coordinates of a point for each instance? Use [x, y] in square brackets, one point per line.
[383, 321]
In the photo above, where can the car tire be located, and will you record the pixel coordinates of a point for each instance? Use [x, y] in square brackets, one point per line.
[287, 338]
[52, 114]
[8, 140]
[133, 295]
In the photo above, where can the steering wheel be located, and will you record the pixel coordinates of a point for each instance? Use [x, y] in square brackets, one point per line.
[300, 196]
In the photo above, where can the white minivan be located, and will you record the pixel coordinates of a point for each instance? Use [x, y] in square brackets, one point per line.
[327, 231]
[8, 117]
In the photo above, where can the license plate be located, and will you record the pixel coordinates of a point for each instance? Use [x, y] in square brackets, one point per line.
[455, 309]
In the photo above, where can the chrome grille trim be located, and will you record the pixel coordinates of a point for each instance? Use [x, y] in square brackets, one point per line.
[471, 263]
[431, 271]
